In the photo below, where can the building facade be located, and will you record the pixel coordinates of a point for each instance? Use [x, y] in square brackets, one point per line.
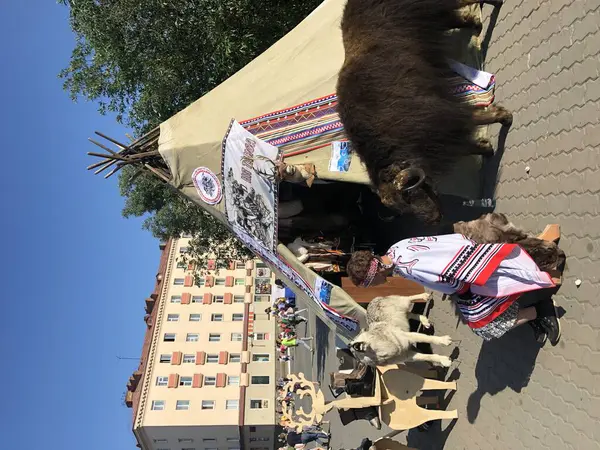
[206, 379]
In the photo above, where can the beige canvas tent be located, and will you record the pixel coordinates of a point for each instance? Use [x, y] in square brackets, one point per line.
[302, 66]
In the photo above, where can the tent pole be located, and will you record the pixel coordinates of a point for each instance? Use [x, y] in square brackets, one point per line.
[123, 146]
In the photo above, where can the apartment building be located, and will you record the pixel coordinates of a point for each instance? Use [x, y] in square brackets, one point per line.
[206, 379]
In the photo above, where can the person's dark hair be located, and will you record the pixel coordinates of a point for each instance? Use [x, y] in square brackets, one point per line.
[358, 266]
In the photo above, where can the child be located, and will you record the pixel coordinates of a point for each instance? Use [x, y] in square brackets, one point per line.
[486, 280]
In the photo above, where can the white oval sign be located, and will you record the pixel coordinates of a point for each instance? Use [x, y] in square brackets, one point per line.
[208, 185]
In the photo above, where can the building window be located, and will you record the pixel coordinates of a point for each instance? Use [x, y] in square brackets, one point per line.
[209, 440]
[182, 265]
[261, 337]
[184, 249]
[237, 317]
[259, 379]
[262, 299]
[233, 381]
[220, 282]
[175, 298]
[173, 318]
[218, 299]
[200, 282]
[178, 281]
[195, 317]
[261, 265]
[238, 299]
[212, 359]
[256, 404]
[216, 317]
[214, 337]
[236, 337]
[235, 358]
[192, 337]
[208, 404]
[233, 439]
[169, 337]
[252, 429]
[185, 381]
[231, 404]
[262, 286]
[189, 359]
[185, 440]
[182, 405]
[260, 439]
[239, 282]
[261, 357]
[240, 265]
[158, 405]
[210, 381]
[165, 358]
[162, 381]
[160, 441]
[197, 299]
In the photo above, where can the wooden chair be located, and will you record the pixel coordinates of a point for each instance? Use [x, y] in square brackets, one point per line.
[395, 394]
[401, 408]
[551, 233]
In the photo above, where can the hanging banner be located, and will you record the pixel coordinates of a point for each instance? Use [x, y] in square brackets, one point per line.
[323, 290]
[250, 185]
[320, 294]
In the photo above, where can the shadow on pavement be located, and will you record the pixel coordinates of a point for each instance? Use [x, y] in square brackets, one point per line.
[433, 439]
[491, 168]
[500, 366]
[321, 345]
[485, 42]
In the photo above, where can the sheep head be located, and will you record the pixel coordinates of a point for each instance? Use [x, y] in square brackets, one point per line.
[410, 190]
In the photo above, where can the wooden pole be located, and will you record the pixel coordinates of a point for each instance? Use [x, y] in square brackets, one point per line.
[102, 169]
[98, 164]
[157, 172]
[112, 172]
[114, 141]
[146, 136]
[103, 155]
[112, 152]
[144, 155]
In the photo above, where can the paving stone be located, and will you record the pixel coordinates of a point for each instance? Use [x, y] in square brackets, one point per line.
[546, 54]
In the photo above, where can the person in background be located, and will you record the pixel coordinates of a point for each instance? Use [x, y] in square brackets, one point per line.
[299, 440]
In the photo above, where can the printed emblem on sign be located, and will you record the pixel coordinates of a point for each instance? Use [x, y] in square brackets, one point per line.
[208, 185]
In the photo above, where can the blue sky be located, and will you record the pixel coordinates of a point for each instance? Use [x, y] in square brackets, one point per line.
[75, 273]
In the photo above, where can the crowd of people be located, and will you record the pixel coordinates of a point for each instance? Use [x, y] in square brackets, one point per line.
[288, 318]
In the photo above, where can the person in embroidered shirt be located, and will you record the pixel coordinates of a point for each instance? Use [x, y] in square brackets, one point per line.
[485, 280]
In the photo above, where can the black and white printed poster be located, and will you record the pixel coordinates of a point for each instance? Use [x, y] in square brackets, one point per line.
[250, 185]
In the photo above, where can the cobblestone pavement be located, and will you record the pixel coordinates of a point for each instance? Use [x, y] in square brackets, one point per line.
[512, 394]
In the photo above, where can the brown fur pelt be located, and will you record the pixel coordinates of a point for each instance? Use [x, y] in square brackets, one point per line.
[395, 100]
[496, 228]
